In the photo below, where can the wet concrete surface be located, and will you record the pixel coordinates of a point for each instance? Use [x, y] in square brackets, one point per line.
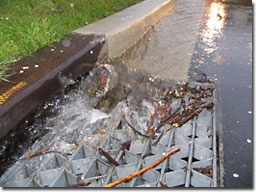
[220, 50]
[166, 50]
[224, 52]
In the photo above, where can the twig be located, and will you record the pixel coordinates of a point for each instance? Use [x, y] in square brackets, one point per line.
[77, 144]
[160, 109]
[119, 125]
[170, 120]
[108, 157]
[135, 129]
[31, 156]
[126, 145]
[126, 96]
[174, 117]
[178, 116]
[169, 110]
[193, 102]
[143, 170]
[183, 121]
[81, 184]
[157, 112]
[37, 153]
[163, 184]
[162, 134]
[171, 116]
[42, 152]
[196, 112]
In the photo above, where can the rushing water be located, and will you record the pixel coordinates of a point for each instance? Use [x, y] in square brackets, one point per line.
[198, 39]
[88, 112]
[174, 54]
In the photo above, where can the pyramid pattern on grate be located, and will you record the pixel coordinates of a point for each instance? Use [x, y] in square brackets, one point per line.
[193, 166]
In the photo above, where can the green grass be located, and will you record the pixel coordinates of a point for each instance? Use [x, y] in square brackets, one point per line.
[27, 25]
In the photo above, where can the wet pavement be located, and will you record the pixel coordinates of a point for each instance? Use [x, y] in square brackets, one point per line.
[208, 45]
[224, 52]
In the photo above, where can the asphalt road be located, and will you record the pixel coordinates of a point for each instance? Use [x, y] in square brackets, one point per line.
[223, 52]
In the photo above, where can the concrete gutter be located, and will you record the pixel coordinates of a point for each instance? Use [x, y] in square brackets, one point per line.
[124, 28]
[99, 41]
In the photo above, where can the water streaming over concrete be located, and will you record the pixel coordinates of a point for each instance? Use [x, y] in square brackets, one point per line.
[166, 50]
[164, 53]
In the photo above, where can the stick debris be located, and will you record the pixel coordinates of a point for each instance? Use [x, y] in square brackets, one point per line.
[143, 170]
[136, 131]
[81, 184]
[181, 121]
[106, 154]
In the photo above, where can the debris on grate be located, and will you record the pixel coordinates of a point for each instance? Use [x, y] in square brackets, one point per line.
[119, 123]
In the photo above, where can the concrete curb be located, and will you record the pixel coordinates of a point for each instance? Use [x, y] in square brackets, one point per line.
[124, 28]
[108, 38]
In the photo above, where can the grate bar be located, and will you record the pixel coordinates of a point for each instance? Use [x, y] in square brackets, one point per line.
[86, 163]
[191, 149]
[140, 161]
[161, 178]
[214, 146]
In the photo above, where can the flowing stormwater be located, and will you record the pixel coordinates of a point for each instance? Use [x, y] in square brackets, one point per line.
[135, 118]
[125, 108]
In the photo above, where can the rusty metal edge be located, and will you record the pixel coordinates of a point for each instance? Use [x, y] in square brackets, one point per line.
[35, 94]
[18, 107]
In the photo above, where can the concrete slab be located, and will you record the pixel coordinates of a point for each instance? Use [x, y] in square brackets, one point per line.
[166, 50]
[124, 28]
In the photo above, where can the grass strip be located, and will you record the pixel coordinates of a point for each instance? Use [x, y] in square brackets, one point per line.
[26, 26]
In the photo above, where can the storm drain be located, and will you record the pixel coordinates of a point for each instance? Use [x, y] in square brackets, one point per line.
[116, 154]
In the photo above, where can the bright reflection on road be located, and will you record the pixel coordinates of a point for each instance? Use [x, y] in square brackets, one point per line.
[215, 22]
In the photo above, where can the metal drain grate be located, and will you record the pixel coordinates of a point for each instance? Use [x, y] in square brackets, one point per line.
[195, 165]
